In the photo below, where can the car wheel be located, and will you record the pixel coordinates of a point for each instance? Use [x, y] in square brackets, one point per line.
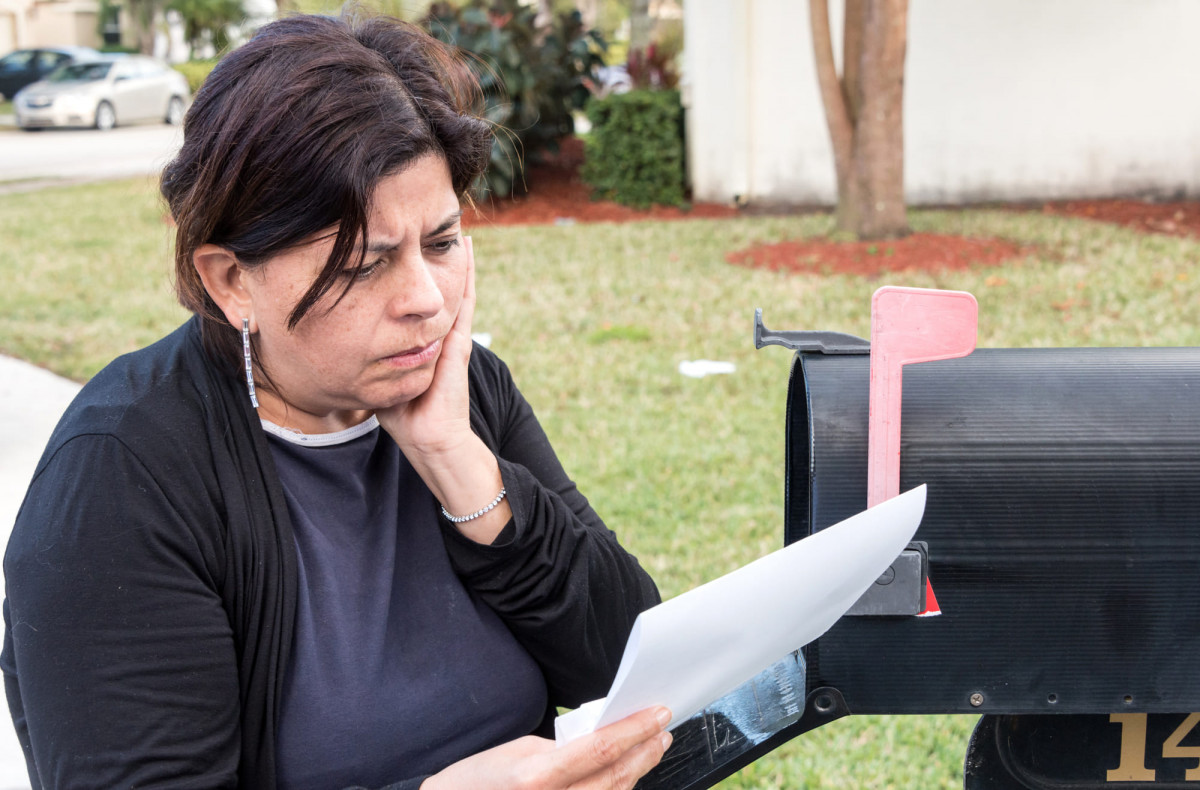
[105, 117]
[174, 115]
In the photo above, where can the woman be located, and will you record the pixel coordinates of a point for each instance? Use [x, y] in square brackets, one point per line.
[313, 539]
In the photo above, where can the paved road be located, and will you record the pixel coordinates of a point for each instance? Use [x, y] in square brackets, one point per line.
[30, 159]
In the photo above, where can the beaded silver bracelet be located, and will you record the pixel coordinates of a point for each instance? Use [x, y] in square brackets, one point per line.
[485, 509]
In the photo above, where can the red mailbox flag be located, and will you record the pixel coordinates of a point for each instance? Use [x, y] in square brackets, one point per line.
[908, 325]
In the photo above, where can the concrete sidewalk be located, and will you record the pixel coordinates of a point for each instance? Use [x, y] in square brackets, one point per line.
[31, 401]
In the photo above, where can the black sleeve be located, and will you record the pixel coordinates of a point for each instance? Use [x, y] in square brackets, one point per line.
[119, 658]
[557, 576]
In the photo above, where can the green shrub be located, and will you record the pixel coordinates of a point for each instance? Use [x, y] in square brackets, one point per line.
[531, 78]
[195, 71]
[634, 154]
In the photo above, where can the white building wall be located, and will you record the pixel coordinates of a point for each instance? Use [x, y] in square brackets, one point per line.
[1004, 100]
[8, 30]
[718, 154]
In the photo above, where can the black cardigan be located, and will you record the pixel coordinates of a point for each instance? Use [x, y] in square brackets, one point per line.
[151, 576]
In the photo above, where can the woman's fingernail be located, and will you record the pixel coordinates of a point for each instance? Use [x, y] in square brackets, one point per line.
[664, 716]
[666, 740]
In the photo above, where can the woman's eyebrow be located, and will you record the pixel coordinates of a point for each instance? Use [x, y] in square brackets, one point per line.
[447, 224]
[382, 246]
[389, 245]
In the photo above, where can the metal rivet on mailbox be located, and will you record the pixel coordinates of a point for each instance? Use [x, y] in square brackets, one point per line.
[976, 699]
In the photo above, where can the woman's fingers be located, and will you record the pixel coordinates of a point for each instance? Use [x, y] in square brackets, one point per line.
[468, 306]
[456, 348]
[632, 766]
[616, 755]
[612, 758]
[466, 311]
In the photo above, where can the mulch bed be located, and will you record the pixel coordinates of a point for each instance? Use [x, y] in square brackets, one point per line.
[1173, 218]
[558, 196]
[917, 251]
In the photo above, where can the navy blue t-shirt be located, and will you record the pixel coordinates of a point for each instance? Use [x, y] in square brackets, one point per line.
[397, 670]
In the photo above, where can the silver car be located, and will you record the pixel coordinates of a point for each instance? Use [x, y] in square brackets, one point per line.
[102, 93]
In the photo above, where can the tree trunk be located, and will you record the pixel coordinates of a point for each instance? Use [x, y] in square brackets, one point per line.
[852, 52]
[878, 160]
[837, 115]
[864, 112]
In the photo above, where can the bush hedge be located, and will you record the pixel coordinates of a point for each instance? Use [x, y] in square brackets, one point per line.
[634, 154]
[195, 71]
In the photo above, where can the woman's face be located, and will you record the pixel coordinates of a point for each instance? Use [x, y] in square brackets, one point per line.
[379, 345]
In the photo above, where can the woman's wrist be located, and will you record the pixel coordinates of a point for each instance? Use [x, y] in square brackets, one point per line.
[490, 506]
[467, 482]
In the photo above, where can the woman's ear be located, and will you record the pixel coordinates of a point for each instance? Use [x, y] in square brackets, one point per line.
[223, 277]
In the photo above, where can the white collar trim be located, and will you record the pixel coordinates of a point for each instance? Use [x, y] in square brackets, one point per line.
[321, 439]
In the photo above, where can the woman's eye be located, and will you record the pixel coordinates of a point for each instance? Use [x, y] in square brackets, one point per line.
[444, 245]
[363, 272]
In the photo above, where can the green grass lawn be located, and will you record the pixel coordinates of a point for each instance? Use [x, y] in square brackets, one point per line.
[594, 320]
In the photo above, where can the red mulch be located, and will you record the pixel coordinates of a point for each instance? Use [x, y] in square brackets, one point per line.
[557, 196]
[1175, 218]
[922, 251]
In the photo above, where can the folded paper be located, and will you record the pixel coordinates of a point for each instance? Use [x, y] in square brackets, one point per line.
[696, 647]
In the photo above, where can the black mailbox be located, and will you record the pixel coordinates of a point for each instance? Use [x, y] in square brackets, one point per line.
[1061, 536]
[1062, 526]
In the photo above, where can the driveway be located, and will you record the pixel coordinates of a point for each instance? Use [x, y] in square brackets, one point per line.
[30, 160]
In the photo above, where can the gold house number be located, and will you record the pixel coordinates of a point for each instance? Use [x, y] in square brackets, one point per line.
[1133, 748]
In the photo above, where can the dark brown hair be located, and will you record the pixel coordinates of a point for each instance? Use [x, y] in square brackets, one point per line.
[291, 133]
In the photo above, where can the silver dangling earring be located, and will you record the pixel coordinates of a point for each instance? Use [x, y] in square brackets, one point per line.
[246, 356]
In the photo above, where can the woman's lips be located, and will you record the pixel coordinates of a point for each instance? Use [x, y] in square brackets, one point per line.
[415, 357]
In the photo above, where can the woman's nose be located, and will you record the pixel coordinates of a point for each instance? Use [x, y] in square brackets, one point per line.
[416, 291]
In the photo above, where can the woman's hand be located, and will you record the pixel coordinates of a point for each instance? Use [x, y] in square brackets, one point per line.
[612, 758]
[434, 430]
[438, 421]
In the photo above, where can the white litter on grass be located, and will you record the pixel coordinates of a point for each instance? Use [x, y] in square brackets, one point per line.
[482, 338]
[699, 368]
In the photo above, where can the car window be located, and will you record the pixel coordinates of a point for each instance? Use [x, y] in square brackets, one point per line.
[47, 61]
[80, 72]
[17, 61]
